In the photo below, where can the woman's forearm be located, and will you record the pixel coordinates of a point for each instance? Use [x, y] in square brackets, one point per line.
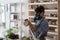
[32, 27]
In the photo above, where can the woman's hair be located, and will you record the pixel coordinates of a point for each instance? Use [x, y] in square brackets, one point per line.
[40, 9]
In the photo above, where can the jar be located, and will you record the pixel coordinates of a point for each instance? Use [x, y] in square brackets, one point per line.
[56, 30]
[38, 0]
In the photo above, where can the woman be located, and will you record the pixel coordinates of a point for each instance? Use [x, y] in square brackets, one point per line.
[41, 25]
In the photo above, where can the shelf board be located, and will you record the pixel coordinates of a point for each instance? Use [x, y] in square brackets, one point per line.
[53, 33]
[31, 16]
[52, 10]
[51, 18]
[49, 25]
[46, 17]
[43, 3]
[53, 26]
[46, 10]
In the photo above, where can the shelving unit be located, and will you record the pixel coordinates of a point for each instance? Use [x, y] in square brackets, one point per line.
[51, 13]
[53, 33]
[16, 19]
[14, 15]
[43, 3]
[58, 19]
[45, 10]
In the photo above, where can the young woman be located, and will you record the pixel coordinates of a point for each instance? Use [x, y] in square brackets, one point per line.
[41, 25]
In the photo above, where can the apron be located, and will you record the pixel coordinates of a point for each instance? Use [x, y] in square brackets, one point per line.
[33, 37]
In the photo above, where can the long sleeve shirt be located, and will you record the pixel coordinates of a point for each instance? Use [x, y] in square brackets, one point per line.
[42, 27]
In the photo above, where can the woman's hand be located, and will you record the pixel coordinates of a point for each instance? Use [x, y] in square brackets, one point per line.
[31, 26]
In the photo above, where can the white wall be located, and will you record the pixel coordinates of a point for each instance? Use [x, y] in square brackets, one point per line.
[24, 13]
[9, 1]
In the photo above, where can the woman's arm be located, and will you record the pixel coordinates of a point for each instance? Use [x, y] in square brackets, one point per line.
[31, 26]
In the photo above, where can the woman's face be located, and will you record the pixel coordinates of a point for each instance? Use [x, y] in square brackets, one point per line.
[42, 14]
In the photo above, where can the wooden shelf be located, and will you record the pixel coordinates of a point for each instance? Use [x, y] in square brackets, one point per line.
[46, 17]
[53, 33]
[31, 16]
[53, 26]
[52, 10]
[45, 10]
[43, 3]
[51, 18]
